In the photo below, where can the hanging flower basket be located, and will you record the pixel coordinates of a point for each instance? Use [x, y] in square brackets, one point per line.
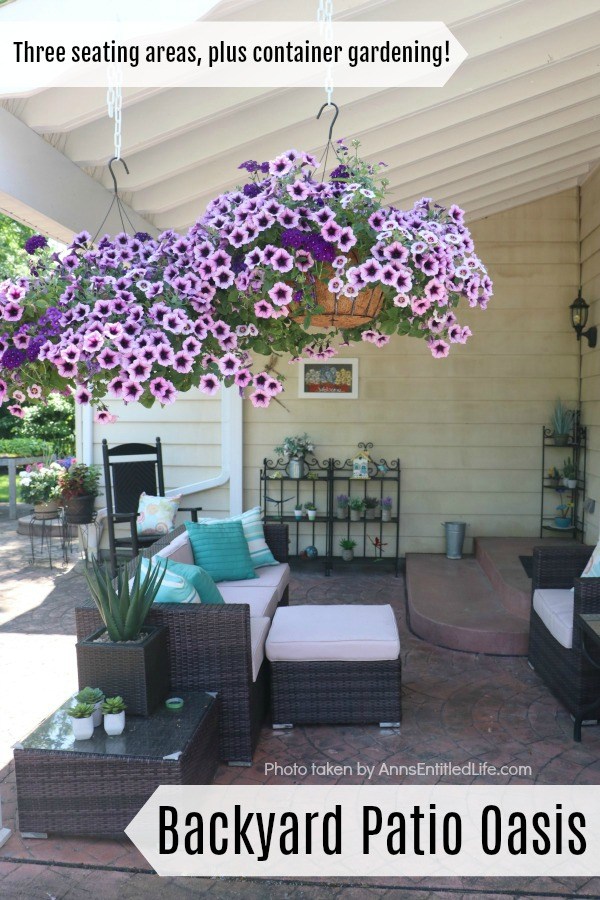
[284, 264]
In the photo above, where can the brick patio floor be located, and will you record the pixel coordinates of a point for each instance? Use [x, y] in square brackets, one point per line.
[457, 708]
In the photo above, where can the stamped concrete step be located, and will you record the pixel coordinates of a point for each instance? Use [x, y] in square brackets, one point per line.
[451, 603]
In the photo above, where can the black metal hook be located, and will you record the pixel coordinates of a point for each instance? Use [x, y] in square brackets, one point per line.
[333, 121]
[112, 174]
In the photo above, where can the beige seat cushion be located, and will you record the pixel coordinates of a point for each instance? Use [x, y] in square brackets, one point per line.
[555, 609]
[262, 601]
[276, 578]
[345, 633]
[259, 629]
[179, 550]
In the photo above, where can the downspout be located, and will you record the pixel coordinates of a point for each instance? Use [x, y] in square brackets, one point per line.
[232, 454]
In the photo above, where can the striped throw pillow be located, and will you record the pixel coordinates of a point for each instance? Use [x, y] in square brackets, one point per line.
[174, 588]
[254, 533]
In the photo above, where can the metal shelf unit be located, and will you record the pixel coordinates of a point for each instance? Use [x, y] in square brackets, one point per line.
[577, 449]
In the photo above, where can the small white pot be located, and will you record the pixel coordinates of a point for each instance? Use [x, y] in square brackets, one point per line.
[571, 483]
[312, 514]
[114, 723]
[355, 515]
[97, 717]
[347, 555]
[370, 513]
[298, 515]
[342, 512]
[386, 515]
[83, 729]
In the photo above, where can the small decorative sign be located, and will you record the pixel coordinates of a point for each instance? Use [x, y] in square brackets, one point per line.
[335, 379]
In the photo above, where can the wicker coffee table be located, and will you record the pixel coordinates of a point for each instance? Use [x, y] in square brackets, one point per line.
[96, 787]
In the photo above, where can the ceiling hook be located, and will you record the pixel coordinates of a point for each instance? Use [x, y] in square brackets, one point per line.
[118, 159]
[337, 112]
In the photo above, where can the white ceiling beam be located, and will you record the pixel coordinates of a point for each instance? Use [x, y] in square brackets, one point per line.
[64, 109]
[37, 180]
[489, 208]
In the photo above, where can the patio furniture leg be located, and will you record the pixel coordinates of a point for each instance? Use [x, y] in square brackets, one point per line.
[280, 726]
[577, 729]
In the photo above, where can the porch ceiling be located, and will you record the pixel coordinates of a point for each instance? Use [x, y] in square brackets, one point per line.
[519, 120]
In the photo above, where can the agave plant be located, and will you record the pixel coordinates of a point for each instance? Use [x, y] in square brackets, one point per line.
[124, 607]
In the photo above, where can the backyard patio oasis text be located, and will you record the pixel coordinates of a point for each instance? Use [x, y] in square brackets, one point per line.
[224, 53]
[417, 831]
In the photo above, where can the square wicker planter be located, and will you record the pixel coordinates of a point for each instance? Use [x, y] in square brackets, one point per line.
[138, 672]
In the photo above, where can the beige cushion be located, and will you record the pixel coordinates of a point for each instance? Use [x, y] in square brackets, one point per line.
[262, 601]
[555, 609]
[259, 629]
[346, 633]
[179, 550]
[274, 578]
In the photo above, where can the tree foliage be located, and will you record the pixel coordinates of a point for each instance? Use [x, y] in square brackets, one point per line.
[13, 259]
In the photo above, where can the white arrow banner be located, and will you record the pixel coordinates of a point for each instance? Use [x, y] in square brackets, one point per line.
[40, 54]
[371, 830]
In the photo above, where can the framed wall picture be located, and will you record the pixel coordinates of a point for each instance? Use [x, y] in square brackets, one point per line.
[332, 379]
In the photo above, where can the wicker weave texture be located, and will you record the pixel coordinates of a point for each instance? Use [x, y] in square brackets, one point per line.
[566, 672]
[139, 673]
[336, 693]
[89, 794]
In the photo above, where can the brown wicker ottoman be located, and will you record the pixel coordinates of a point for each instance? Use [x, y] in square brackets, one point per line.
[96, 787]
[334, 665]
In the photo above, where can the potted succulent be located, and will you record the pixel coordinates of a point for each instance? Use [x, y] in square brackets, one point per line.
[569, 474]
[295, 448]
[95, 697]
[82, 721]
[357, 505]
[386, 509]
[298, 511]
[126, 655]
[342, 506]
[311, 511]
[564, 517]
[39, 485]
[562, 423]
[371, 504]
[347, 545]
[114, 715]
[78, 485]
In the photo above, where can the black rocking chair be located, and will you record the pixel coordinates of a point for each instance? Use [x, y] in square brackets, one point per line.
[129, 470]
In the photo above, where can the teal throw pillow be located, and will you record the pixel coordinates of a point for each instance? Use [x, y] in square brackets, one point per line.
[222, 550]
[207, 590]
[174, 587]
[254, 533]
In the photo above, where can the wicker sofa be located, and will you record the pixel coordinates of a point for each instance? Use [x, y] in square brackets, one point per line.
[564, 669]
[211, 647]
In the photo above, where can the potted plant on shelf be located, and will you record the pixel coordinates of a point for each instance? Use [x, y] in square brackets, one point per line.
[553, 477]
[126, 655]
[95, 697]
[569, 474]
[562, 423]
[82, 721]
[114, 715]
[341, 509]
[298, 511]
[78, 485]
[347, 545]
[357, 505]
[564, 518]
[311, 511]
[371, 504]
[39, 485]
[386, 509]
[295, 448]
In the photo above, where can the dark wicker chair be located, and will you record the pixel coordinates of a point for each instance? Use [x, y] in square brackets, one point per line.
[568, 674]
[210, 649]
[130, 469]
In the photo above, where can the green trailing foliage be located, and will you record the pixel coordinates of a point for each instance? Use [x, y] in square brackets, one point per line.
[123, 609]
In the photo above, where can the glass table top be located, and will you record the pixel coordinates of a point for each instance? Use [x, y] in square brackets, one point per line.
[164, 734]
[592, 622]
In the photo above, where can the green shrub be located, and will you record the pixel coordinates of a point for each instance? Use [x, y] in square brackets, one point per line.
[53, 422]
[24, 447]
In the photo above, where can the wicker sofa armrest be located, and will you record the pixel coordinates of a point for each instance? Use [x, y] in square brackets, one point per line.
[277, 538]
[558, 567]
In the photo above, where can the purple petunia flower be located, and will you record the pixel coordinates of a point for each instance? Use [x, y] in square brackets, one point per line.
[34, 243]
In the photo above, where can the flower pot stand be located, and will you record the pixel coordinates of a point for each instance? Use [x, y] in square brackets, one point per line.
[50, 530]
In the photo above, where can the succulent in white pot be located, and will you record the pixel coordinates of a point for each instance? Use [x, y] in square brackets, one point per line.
[114, 715]
[347, 545]
[82, 721]
[357, 505]
[96, 698]
[311, 511]
[298, 511]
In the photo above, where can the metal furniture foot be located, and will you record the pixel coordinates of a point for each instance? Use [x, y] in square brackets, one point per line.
[280, 726]
[389, 724]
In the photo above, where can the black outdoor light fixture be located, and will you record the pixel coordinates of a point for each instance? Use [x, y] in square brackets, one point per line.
[579, 316]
